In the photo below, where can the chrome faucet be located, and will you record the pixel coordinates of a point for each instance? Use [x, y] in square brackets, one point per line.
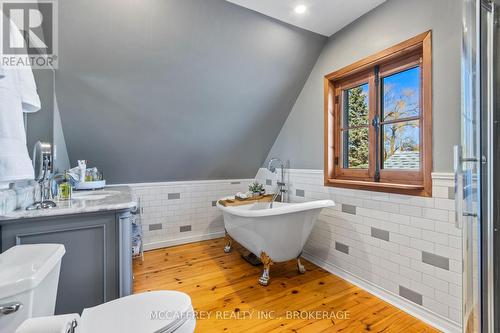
[275, 196]
[42, 165]
[281, 183]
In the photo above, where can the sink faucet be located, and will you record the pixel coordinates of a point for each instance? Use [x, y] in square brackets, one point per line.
[281, 183]
[42, 164]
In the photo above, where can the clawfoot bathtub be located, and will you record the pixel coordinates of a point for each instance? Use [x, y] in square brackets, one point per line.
[273, 234]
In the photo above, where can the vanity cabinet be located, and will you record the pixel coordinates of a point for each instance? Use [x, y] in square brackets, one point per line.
[97, 266]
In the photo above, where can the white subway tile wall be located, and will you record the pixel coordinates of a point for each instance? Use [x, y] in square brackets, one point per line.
[183, 212]
[406, 245]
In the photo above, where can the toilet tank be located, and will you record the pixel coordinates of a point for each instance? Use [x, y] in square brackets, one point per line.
[29, 275]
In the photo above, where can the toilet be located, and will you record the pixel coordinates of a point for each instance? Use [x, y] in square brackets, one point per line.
[29, 275]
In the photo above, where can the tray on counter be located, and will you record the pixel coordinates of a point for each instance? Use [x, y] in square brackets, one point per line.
[94, 185]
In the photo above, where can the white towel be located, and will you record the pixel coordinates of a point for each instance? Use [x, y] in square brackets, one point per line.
[51, 324]
[17, 95]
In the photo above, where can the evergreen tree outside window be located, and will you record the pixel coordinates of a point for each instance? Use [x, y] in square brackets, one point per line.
[355, 128]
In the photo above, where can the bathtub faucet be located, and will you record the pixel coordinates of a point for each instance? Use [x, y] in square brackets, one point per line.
[275, 196]
[281, 184]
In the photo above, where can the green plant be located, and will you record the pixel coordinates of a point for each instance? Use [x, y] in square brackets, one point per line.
[357, 140]
[256, 188]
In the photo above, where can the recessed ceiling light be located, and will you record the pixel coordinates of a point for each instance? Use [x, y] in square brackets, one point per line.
[300, 9]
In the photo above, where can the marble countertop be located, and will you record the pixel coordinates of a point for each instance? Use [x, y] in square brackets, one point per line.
[107, 199]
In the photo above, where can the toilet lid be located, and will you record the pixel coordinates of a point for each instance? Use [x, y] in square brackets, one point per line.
[151, 312]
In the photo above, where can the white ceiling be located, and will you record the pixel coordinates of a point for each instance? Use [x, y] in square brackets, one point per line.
[324, 17]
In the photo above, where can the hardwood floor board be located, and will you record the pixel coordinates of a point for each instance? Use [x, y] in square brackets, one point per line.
[298, 303]
[270, 299]
[226, 287]
[202, 273]
[177, 259]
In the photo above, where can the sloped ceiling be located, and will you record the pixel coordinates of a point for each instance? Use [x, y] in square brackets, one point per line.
[324, 17]
[165, 90]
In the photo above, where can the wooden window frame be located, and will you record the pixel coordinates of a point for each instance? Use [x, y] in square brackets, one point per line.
[408, 54]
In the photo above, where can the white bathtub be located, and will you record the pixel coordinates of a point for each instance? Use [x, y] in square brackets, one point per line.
[277, 233]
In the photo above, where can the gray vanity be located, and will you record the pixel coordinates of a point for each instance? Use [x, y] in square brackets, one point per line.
[95, 227]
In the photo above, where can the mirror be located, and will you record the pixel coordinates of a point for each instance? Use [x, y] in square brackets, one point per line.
[42, 160]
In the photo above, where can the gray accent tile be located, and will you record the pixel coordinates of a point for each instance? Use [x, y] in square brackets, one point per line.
[269, 182]
[410, 295]
[214, 203]
[342, 247]
[156, 226]
[435, 260]
[451, 193]
[300, 193]
[185, 228]
[173, 196]
[350, 209]
[235, 183]
[380, 234]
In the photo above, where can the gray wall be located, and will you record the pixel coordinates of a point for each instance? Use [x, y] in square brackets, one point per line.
[301, 138]
[163, 90]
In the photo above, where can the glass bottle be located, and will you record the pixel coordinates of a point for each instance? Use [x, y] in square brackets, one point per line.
[65, 188]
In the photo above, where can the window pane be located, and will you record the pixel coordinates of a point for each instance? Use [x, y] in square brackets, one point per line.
[401, 95]
[356, 106]
[401, 145]
[355, 148]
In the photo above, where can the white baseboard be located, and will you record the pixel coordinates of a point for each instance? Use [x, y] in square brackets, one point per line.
[184, 240]
[431, 318]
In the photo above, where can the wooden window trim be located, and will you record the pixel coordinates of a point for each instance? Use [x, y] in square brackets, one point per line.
[391, 60]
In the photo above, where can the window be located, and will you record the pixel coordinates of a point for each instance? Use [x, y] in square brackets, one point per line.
[378, 121]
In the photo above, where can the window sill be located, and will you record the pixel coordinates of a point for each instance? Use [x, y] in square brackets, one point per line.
[408, 189]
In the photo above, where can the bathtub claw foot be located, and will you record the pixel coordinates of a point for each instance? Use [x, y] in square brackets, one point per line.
[267, 262]
[264, 280]
[229, 244]
[300, 267]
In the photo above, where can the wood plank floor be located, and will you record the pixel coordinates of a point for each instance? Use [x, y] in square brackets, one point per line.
[225, 292]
